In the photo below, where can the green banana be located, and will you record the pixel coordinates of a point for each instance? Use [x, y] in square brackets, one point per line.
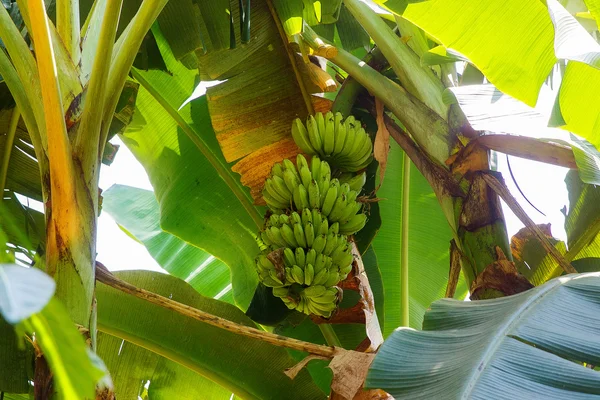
[298, 274]
[290, 180]
[305, 176]
[354, 224]
[309, 234]
[324, 227]
[288, 235]
[338, 208]
[314, 291]
[288, 256]
[299, 235]
[301, 197]
[320, 277]
[329, 200]
[339, 133]
[315, 167]
[313, 134]
[311, 257]
[306, 216]
[319, 243]
[309, 274]
[329, 134]
[333, 279]
[300, 257]
[295, 218]
[280, 291]
[314, 198]
[300, 136]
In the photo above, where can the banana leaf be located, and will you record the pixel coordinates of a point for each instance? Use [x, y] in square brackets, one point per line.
[536, 344]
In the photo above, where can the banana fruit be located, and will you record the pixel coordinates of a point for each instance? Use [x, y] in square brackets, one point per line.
[344, 143]
[313, 211]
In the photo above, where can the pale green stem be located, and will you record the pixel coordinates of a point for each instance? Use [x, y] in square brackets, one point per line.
[428, 129]
[67, 25]
[125, 52]
[221, 168]
[8, 145]
[88, 132]
[25, 67]
[404, 242]
[420, 82]
[330, 336]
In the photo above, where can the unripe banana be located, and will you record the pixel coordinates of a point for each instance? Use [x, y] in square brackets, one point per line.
[320, 262]
[289, 277]
[349, 143]
[268, 281]
[301, 162]
[289, 166]
[315, 167]
[270, 188]
[300, 135]
[314, 291]
[273, 275]
[314, 134]
[273, 202]
[300, 257]
[321, 277]
[299, 235]
[265, 262]
[283, 219]
[280, 291]
[306, 216]
[333, 279]
[301, 197]
[319, 243]
[309, 234]
[331, 244]
[290, 179]
[329, 135]
[334, 228]
[354, 224]
[276, 237]
[305, 176]
[316, 218]
[338, 208]
[356, 183]
[339, 133]
[295, 218]
[309, 274]
[311, 257]
[314, 198]
[298, 274]
[273, 220]
[351, 209]
[329, 200]
[277, 170]
[324, 229]
[320, 124]
[338, 253]
[288, 256]
[288, 235]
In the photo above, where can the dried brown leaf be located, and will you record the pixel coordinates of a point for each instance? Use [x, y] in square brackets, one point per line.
[350, 370]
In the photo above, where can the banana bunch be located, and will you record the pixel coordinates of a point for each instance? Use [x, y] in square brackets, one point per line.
[305, 251]
[316, 299]
[342, 142]
[302, 186]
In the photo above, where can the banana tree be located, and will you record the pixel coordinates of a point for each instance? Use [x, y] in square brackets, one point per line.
[209, 155]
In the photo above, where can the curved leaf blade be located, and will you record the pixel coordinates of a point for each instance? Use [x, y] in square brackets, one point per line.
[514, 347]
[178, 149]
[23, 292]
[237, 363]
[137, 211]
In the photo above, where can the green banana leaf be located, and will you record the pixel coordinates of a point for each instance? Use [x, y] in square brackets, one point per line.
[530, 345]
[515, 44]
[136, 211]
[193, 184]
[582, 222]
[133, 367]
[428, 249]
[247, 367]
